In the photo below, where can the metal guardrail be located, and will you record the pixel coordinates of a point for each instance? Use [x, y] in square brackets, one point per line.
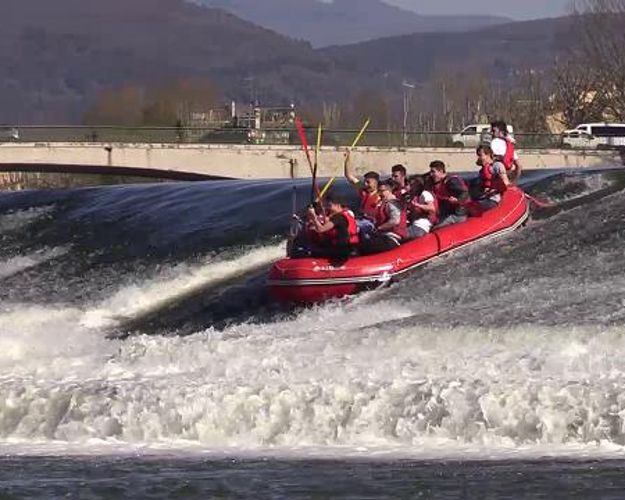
[266, 136]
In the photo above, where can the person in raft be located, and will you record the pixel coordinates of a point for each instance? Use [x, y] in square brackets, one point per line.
[503, 146]
[452, 194]
[390, 222]
[337, 234]
[400, 176]
[493, 178]
[305, 236]
[422, 209]
[368, 194]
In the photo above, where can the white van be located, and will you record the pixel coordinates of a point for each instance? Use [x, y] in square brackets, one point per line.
[595, 136]
[474, 135]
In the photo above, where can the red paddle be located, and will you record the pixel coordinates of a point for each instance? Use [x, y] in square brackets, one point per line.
[539, 203]
[299, 125]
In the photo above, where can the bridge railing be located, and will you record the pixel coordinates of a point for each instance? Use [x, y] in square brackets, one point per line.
[266, 136]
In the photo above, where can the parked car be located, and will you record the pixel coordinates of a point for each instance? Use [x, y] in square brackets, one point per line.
[474, 135]
[470, 136]
[9, 134]
[595, 136]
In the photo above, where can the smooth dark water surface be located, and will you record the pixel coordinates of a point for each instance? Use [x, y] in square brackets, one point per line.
[108, 478]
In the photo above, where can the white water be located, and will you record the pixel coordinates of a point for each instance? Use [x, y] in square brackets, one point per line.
[151, 295]
[20, 220]
[333, 381]
[19, 263]
[23, 218]
[336, 380]
[572, 187]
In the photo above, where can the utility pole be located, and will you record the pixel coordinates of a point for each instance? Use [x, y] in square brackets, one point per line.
[405, 85]
[445, 105]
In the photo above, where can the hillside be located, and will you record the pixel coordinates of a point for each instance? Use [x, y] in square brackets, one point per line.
[344, 21]
[496, 51]
[56, 56]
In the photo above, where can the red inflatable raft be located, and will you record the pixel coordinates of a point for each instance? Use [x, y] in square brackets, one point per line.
[311, 280]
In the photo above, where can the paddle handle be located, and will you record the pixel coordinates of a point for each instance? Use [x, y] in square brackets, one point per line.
[314, 187]
[299, 125]
[539, 203]
[325, 189]
[354, 144]
[361, 133]
[319, 132]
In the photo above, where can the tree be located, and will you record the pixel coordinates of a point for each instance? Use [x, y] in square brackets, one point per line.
[121, 106]
[600, 25]
[458, 95]
[530, 103]
[167, 105]
[577, 95]
[367, 104]
[174, 103]
[331, 115]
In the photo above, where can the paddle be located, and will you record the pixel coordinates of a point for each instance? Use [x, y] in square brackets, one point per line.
[539, 203]
[299, 125]
[294, 228]
[354, 144]
[314, 188]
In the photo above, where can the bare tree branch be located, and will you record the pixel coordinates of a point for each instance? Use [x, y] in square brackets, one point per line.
[601, 25]
[577, 95]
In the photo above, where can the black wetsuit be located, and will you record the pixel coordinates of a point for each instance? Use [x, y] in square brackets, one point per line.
[340, 249]
[458, 190]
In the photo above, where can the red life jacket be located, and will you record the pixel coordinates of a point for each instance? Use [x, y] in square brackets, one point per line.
[490, 181]
[382, 217]
[401, 192]
[352, 230]
[369, 203]
[508, 159]
[417, 213]
[441, 192]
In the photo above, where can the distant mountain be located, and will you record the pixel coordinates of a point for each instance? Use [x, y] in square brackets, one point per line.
[344, 21]
[496, 52]
[56, 55]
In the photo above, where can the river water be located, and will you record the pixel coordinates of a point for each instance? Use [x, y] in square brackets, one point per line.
[140, 355]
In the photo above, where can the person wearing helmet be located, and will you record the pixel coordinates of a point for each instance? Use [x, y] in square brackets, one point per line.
[503, 146]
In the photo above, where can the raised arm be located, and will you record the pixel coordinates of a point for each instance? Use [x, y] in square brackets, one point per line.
[348, 170]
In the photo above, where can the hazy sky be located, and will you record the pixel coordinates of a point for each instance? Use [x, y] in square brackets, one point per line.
[516, 9]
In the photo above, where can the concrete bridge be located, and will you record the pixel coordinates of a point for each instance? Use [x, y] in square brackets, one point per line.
[210, 161]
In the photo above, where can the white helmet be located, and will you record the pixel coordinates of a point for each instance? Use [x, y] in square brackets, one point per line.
[499, 147]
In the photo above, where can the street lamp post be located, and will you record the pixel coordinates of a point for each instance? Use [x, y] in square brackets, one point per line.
[405, 85]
